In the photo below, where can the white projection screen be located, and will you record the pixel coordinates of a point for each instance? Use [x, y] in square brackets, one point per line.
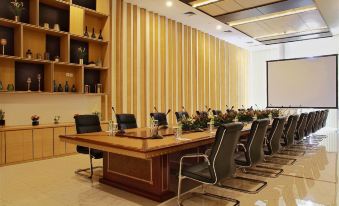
[303, 82]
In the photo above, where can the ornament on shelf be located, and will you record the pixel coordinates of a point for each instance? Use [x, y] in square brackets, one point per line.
[35, 120]
[46, 25]
[47, 56]
[56, 119]
[1, 86]
[73, 88]
[66, 87]
[10, 87]
[87, 89]
[93, 34]
[55, 87]
[81, 54]
[100, 35]
[29, 81]
[56, 58]
[3, 44]
[29, 54]
[86, 32]
[17, 7]
[99, 88]
[60, 89]
[56, 27]
[2, 118]
[38, 56]
[39, 82]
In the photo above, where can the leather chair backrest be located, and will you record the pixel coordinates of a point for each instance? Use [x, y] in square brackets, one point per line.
[325, 118]
[216, 112]
[290, 129]
[315, 122]
[302, 122]
[161, 117]
[310, 122]
[87, 124]
[126, 121]
[254, 145]
[321, 119]
[181, 115]
[222, 153]
[275, 135]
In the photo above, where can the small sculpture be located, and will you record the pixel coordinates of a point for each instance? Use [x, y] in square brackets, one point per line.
[60, 89]
[29, 54]
[100, 35]
[29, 81]
[93, 34]
[86, 33]
[73, 88]
[3, 44]
[39, 81]
[56, 119]
[66, 87]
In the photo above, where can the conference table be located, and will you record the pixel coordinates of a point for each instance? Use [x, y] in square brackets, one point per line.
[139, 164]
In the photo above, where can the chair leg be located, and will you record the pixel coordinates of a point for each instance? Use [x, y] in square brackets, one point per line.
[179, 190]
[293, 160]
[91, 162]
[261, 173]
[263, 185]
[90, 169]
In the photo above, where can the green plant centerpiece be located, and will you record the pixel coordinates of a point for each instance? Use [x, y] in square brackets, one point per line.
[35, 120]
[2, 118]
[262, 114]
[17, 7]
[245, 116]
[226, 118]
[275, 113]
[196, 123]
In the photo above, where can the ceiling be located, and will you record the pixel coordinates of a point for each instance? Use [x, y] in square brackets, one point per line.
[273, 21]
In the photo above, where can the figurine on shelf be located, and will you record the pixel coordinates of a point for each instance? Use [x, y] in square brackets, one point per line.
[81, 54]
[99, 88]
[93, 34]
[56, 119]
[29, 81]
[3, 44]
[1, 87]
[46, 25]
[100, 35]
[29, 54]
[87, 89]
[56, 58]
[55, 87]
[2, 118]
[47, 56]
[38, 56]
[86, 32]
[66, 87]
[56, 27]
[39, 82]
[10, 87]
[35, 120]
[73, 88]
[17, 7]
[60, 89]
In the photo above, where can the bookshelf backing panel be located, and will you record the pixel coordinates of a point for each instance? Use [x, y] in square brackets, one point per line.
[35, 41]
[75, 44]
[25, 70]
[91, 78]
[6, 73]
[53, 46]
[5, 11]
[60, 76]
[90, 4]
[52, 16]
[7, 33]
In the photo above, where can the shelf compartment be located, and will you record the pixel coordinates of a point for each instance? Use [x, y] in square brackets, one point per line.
[89, 4]
[71, 73]
[56, 3]
[7, 72]
[92, 77]
[13, 36]
[6, 13]
[74, 46]
[57, 46]
[24, 70]
[54, 15]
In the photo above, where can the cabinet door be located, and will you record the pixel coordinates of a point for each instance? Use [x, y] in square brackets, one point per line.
[2, 148]
[19, 145]
[59, 146]
[70, 148]
[43, 143]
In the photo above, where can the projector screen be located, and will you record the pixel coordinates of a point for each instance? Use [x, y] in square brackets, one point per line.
[303, 83]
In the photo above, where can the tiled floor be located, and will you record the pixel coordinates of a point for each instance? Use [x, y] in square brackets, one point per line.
[312, 181]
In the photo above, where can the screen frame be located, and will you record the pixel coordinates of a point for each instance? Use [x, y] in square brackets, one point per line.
[330, 55]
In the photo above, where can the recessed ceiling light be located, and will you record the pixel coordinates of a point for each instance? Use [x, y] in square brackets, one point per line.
[190, 13]
[228, 31]
[199, 3]
[219, 27]
[169, 3]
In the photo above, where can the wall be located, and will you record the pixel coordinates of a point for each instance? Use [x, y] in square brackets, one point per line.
[163, 63]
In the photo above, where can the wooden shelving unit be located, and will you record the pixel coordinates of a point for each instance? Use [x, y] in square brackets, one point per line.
[73, 16]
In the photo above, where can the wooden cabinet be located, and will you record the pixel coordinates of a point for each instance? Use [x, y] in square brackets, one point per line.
[70, 148]
[19, 145]
[43, 143]
[2, 148]
[59, 146]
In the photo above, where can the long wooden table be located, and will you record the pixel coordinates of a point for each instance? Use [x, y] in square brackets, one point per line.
[139, 164]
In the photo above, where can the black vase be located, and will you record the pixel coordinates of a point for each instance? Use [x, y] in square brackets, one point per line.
[93, 34]
[2, 122]
[73, 88]
[55, 87]
[86, 33]
[100, 35]
[35, 122]
[66, 87]
[60, 89]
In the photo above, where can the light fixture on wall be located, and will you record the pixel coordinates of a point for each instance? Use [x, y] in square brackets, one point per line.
[169, 3]
[200, 3]
[273, 15]
[219, 27]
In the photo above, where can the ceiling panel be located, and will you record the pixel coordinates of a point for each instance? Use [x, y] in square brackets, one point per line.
[254, 3]
[212, 9]
[229, 6]
[254, 29]
[313, 19]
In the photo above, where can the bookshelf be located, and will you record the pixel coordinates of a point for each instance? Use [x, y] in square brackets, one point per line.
[36, 31]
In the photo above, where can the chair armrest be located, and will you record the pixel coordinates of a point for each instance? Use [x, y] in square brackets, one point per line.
[241, 145]
[192, 156]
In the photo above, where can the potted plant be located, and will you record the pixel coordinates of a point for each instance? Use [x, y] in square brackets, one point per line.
[245, 116]
[262, 114]
[81, 54]
[17, 7]
[2, 118]
[35, 120]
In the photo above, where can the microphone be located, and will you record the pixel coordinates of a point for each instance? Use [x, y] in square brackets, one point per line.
[226, 106]
[155, 109]
[209, 109]
[206, 108]
[114, 110]
[183, 108]
[256, 106]
[232, 108]
[168, 111]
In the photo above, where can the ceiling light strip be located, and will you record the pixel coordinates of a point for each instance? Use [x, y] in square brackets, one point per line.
[290, 32]
[204, 3]
[272, 16]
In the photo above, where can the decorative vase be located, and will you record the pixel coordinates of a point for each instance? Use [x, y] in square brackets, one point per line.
[2, 122]
[35, 122]
[93, 34]
[73, 88]
[17, 18]
[10, 87]
[100, 35]
[60, 89]
[55, 87]
[66, 87]
[29, 54]
[86, 33]
[1, 87]
[81, 61]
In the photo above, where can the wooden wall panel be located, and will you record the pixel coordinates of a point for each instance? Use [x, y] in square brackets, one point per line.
[170, 65]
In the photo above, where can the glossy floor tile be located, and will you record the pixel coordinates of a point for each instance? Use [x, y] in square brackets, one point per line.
[311, 181]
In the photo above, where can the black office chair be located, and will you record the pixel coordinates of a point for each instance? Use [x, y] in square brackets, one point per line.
[309, 124]
[216, 112]
[272, 145]
[126, 121]
[325, 118]
[316, 120]
[251, 153]
[290, 130]
[88, 124]
[301, 127]
[161, 117]
[180, 115]
[218, 165]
